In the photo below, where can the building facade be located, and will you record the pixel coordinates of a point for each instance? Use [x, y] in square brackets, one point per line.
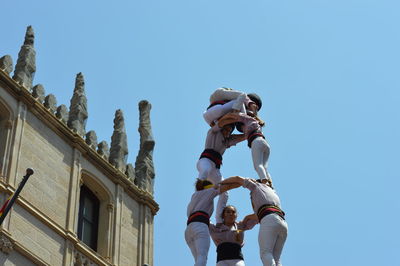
[84, 205]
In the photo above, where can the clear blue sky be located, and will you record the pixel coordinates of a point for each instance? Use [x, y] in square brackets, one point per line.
[327, 72]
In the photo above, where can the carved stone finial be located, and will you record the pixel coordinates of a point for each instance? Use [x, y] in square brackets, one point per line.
[38, 92]
[91, 139]
[62, 113]
[50, 102]
[78, 113]
[26, 64]
[103, 149]
[6, 246]
[119, 143]
[130, 172]
[144, 166]
[6, 64]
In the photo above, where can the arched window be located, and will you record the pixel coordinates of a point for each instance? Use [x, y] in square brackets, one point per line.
[94, 227]
[88, 217]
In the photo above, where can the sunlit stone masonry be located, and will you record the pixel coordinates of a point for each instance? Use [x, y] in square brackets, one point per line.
[85, 204]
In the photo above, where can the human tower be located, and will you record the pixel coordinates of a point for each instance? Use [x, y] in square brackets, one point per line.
[229, 110]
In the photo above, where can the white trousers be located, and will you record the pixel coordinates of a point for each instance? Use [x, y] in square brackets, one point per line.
[219, 110]
[236, 262]
[271, 239]
[260, 154]
[207, 170]
[197, 238]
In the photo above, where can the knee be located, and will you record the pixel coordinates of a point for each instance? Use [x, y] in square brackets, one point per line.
[201, 260]
[207, 117]
[267, 258]
[258, 166]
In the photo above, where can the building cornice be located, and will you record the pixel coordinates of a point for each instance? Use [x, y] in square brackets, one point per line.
[61, 129]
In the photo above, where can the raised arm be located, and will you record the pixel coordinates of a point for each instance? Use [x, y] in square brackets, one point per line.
[233, 179]
[226, 187]
[238, 137]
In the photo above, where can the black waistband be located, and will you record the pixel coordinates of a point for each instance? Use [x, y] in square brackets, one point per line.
[253, 135]
[213, 155]
[229, 251]
[199, 216]
[268, 209]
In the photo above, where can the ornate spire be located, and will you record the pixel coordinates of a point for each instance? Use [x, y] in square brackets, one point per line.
[119, 144]
[78, 113]
[26, 64]
[144, 167]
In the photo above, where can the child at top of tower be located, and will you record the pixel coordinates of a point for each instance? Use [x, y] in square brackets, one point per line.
[224, 100]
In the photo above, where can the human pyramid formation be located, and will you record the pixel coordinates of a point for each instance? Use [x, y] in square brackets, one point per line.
[230, 109]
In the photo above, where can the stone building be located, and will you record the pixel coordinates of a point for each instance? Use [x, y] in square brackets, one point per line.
[84, 205]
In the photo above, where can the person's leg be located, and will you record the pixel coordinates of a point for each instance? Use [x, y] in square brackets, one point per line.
[201, 243]
[214, 175]
[260, 154]
[280, 242]
[206, 168]
[265, 158]
[219, 110]
[237, 262]
[222, 263]
[267, 238]
[189, 237]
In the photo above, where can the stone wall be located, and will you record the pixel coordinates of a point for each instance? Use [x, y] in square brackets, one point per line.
[41, 228]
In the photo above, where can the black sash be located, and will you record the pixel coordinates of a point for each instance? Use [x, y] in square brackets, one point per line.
[213, 155]
[229, 251]
[199, 216]
[268, 209]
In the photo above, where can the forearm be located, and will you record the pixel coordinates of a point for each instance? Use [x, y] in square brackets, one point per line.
[226, 186]
[233, 179]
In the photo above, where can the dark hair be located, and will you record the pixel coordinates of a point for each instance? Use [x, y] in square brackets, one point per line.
[229, 206]
[269, 182]
[256, 99]
[200, 184]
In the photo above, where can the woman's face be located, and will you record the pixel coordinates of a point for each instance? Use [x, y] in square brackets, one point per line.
[229, 215]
